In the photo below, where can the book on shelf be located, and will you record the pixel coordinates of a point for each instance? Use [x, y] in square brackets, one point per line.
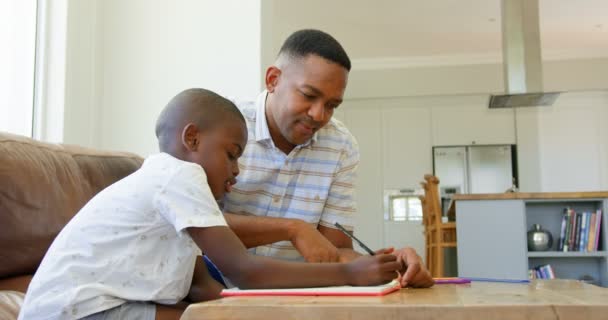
[585, 237]
[542, 272]
[591, 239]
[580, 231]
[575, 225]
[598, 224]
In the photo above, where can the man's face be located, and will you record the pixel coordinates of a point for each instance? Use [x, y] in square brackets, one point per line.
[218, 152]
[302, 98]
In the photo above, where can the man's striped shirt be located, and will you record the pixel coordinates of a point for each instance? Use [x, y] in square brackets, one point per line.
[314, 183]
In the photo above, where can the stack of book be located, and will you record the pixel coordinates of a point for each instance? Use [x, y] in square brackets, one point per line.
[541, 272]
[580, 231]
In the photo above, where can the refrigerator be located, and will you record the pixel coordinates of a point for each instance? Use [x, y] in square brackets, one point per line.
[474, 169]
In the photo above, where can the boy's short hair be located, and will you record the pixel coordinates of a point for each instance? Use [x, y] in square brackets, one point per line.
[202, 107]
[310, 41]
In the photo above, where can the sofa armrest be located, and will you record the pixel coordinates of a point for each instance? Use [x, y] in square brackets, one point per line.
[19, 283]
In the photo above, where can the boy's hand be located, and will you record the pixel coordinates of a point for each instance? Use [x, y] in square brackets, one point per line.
[373, 270]
[312, 245]
[414, 273]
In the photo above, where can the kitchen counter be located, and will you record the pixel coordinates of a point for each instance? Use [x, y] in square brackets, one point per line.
[492, 234]
[526, 196]
[532, 195]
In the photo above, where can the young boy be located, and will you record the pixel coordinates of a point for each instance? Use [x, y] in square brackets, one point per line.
[132, 251]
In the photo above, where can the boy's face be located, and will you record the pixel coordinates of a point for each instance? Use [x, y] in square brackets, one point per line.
[218, 152]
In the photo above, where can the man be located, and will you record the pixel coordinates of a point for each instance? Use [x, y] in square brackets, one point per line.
[299, 166]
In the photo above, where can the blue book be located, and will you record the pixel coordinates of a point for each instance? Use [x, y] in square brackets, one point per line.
[581, 237]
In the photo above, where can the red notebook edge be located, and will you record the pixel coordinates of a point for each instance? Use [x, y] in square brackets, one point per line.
[303, 293]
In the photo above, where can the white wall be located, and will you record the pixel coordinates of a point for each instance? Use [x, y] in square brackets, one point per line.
[126, 59]
[151, 52]
[396, 81]
[364, 122]
[573, 139]
[82, 74]
[528, 148]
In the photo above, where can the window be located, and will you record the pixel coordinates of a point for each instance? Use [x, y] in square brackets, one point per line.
[402, 205]
[17, 61]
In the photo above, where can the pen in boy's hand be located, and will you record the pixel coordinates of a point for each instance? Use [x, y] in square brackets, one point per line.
[366, 248]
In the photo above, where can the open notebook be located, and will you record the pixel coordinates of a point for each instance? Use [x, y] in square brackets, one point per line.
[320, 291]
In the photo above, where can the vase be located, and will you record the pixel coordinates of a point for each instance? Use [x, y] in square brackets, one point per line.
[539, 239]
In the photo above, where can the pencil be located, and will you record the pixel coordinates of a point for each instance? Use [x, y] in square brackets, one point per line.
[366, 248]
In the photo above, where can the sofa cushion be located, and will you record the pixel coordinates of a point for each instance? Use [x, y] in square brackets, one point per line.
[10, 304]
[42, 186]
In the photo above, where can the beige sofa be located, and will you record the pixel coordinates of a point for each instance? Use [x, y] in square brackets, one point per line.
[42, 186]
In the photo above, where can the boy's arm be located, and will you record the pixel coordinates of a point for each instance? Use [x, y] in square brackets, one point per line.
[249, 271]
[256, 231]
[203, 287]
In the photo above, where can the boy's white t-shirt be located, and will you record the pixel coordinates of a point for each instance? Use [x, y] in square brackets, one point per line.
[128, 243]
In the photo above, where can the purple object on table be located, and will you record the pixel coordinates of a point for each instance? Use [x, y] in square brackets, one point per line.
[499, 280]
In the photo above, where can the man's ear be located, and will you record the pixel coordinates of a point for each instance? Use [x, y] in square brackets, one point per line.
[272, 78]
[190, 137]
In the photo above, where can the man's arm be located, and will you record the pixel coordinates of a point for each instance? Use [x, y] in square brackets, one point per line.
[341, 205]
[256, 231]
[341, 241]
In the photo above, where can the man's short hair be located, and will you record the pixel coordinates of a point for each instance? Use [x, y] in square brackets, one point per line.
[310, 41]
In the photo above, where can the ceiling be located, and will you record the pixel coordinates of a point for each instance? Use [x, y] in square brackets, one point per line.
[409, 29]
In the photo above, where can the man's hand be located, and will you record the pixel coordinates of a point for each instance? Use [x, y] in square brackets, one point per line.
[413, 272]
[312, 245]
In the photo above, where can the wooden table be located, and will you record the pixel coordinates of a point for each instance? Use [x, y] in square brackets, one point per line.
[539, 299]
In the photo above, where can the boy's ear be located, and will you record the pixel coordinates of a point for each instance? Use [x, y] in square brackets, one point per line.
[272, 78]
[190, 137]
